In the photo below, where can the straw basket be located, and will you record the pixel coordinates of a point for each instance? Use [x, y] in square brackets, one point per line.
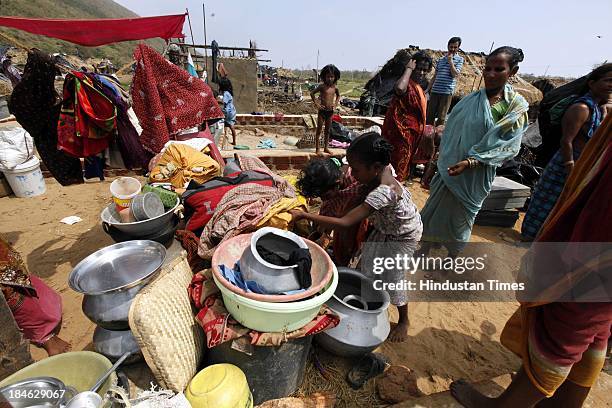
[162, 321]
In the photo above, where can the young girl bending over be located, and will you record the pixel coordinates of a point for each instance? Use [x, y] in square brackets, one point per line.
[389, 208]
[329, 180]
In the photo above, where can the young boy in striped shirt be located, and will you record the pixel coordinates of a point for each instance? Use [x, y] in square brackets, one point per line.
[442, 87]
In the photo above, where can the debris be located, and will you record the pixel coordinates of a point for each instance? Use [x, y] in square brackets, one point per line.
[397, 384]
[291, 140]
[73, 219]
[316, 400]
[267, 144]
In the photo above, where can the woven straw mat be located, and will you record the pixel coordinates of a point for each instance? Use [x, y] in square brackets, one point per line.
[164, 326]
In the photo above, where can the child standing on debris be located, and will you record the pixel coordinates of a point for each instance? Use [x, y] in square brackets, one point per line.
[329, 99]
[226, 94]
[396, 222]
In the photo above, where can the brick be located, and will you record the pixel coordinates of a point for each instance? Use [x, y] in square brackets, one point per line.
[268, 161]
[283, 166]
[283, 160]
[298, 166]
[299, 159]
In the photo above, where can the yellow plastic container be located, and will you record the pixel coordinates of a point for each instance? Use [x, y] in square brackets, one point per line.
[219, 386]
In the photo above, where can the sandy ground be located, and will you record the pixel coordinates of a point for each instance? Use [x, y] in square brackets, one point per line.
[448, 340]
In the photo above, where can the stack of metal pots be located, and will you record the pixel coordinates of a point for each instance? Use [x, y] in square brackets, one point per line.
[109, 279]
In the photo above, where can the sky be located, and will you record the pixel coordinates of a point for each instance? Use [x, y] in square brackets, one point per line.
[558, 38]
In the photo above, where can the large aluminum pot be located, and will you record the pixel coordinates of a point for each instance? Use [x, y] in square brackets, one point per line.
[364, 324]
[115, 343]
[270, 277]
[111, 277]
[139, 229]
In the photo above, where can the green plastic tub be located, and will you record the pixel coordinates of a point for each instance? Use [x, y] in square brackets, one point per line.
[275, 317]
[78, 369]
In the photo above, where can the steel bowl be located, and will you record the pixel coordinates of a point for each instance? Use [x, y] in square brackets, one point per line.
[146, 206]
[138, 229]
[111, 277]
[40, 391]
[115, 343]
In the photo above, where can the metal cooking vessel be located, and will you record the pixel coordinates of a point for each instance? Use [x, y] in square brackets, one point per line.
[111, 277]
[364, 324]
[139, 229]
[272, 278]
[50, 391]
[115, 343]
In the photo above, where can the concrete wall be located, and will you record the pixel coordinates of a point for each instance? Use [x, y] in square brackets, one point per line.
[243, 74]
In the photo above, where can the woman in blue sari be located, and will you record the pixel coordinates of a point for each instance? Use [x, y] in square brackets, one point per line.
[483, 130]
[579, 117]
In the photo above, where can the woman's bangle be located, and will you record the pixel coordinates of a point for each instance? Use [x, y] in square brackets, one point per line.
[568, 162]
[472, 162]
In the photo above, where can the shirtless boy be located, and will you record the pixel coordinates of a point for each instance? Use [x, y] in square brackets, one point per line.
[329, 99]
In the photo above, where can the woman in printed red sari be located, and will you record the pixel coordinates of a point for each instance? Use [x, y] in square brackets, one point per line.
[562, 333]
[37, 309]
[405, 119]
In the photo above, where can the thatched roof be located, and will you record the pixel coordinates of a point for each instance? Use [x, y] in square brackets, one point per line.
[469, 80]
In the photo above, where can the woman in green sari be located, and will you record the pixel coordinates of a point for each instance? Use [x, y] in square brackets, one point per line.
[483, 130]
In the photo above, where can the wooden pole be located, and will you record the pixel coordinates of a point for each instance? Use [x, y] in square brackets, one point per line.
[205, 43]
[190, 30]
[227, 48]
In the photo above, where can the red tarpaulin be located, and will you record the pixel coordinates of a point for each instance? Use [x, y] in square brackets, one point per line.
[92, 33]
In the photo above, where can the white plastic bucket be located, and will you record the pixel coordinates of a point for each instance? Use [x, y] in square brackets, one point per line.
[123, 190]
[26, 179]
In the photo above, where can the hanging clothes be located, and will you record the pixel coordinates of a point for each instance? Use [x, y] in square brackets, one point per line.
[36, 107]
[9, 70]
[215, 57]
[133, 154]
[88, 119]
[167, 99]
